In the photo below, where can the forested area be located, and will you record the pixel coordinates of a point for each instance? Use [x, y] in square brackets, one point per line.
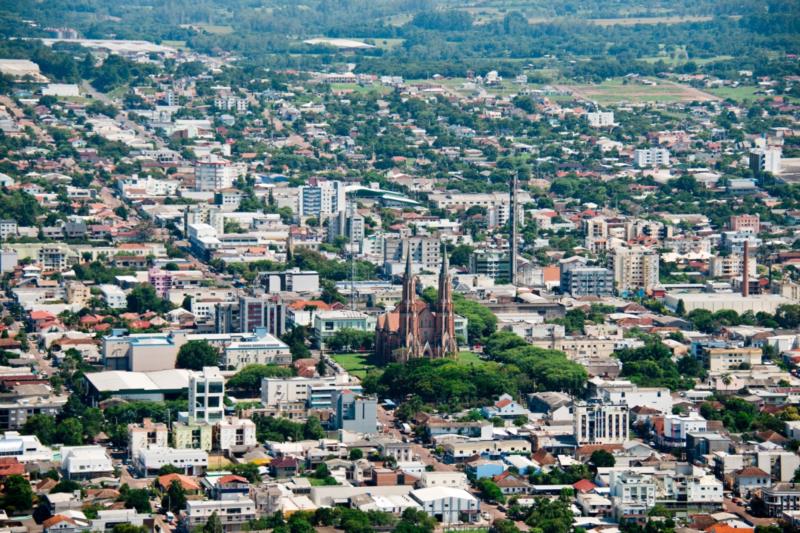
[434, 38]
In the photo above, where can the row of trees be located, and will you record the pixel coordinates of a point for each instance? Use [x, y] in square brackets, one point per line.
[514, 367]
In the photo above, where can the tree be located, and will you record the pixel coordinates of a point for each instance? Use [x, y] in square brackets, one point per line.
[66, 485]
[248, 471]
[18, 495]
[43, 426]
[415, 521]
[680, 309]
[602, 459]
[312, 428]
[70, 432]
[504, 526]
[460, 255]
[490, 491]
[214, 524]
[356, 454]
[144, 298]
[175, 497]
[138, 499]
[249, 378]
[194, 355]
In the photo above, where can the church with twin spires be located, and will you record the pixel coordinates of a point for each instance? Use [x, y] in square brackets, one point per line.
[416, 329]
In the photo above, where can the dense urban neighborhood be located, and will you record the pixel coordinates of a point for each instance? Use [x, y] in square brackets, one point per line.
[324, 287]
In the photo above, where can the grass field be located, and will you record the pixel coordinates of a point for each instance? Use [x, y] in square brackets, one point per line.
[357, 364]
[386, 44]
[739, 94]
[616, 91]
[360, 89]
[466, 358]
[631, 21]
[212, 28]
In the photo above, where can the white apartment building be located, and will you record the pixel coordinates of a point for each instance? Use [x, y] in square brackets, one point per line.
[231, 103]
[145, 435]
[85, 462]
[26, 448]
[633, 493]
[731, 358]
[601, 119]
[704, 489]
[600, 423]
[443, 479]
[766, 159]
[635, 268]
[625, 392]
[322, 200]
[8, 228]
[426, 253]
[114, 297]
[264, 349]
[136, 188]
[213, 173]
[234, 432]
[206, 394]
[730, 266]
[191, 461]
[275, 391]
[232, 513]
[651, 157]
[448, 505]
[676, 427]
[497, 204]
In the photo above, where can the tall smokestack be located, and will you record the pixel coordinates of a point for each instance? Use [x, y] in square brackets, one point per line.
[745, 268]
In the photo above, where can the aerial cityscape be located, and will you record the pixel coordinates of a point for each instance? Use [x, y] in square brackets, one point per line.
[409, 266]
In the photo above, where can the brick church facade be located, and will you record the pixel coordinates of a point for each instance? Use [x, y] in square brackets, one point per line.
[415, 329]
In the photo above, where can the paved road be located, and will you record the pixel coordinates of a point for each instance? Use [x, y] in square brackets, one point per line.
[736, 509]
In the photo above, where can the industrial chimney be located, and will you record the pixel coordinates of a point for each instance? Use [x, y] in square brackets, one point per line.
[745, 268]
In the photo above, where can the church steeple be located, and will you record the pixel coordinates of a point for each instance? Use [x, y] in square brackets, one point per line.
[409, 321]
[445, 316]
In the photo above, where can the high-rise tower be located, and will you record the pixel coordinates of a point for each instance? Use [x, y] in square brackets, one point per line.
[512, 257]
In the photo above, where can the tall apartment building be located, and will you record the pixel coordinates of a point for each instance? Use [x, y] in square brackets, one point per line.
[349, 227]
[635, 268]
[206, 394]
[600, 423]
[322, 200]
[586, 281]
[651, 157]
[730, 266]
[491, 263]
[256, 312]
[600, 119]
[213, 173]
[426, 253]
[766, 160]
[145, 435]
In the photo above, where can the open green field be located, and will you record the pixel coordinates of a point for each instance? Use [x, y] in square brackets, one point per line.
[631, 21]
[740, 94]
[386, 44]
[617, 91]
[360, 89]
[214, 28]
[467, 358]
[357, 364]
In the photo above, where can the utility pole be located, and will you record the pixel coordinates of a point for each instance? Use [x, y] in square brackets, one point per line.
[514, 230]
